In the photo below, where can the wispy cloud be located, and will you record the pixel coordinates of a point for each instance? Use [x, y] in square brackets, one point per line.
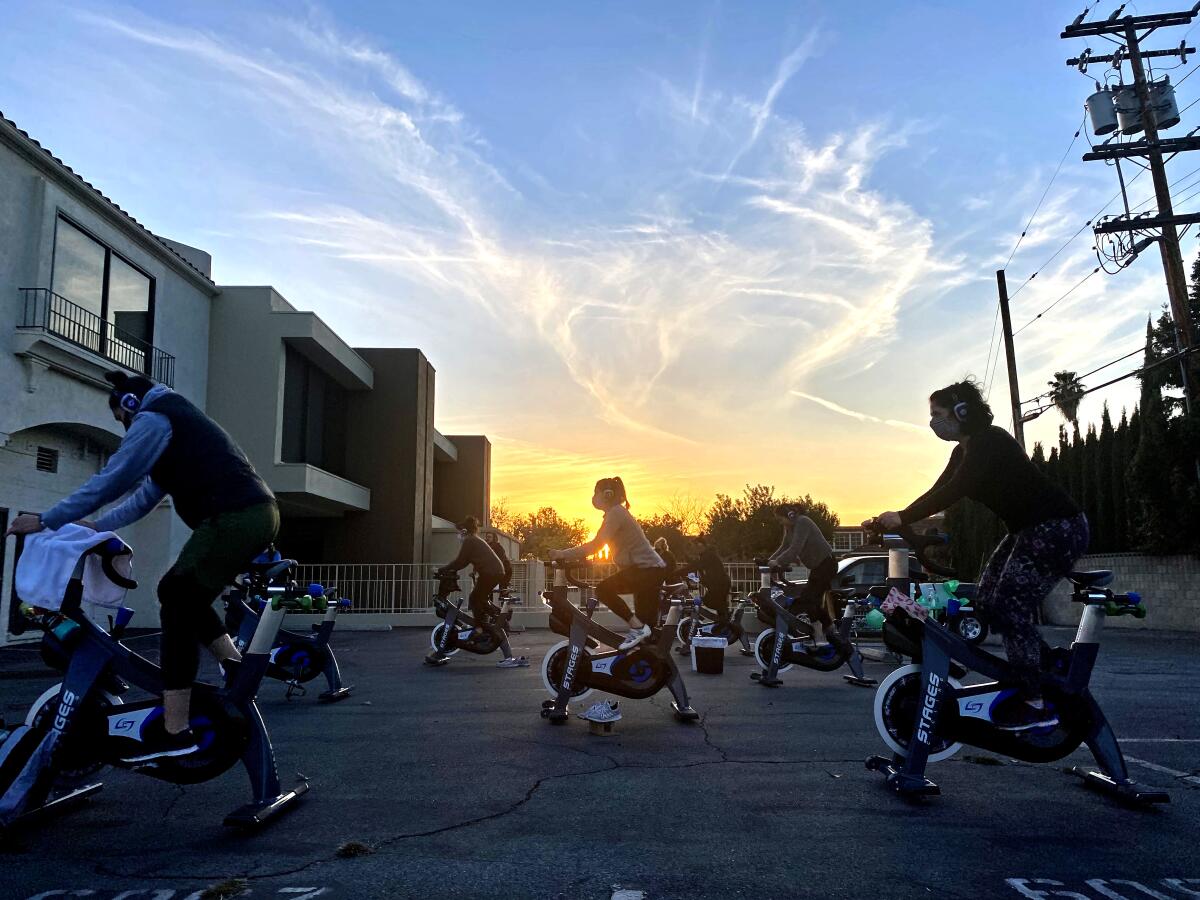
[860, 416]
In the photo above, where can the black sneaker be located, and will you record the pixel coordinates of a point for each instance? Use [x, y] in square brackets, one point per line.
[158, 743]
[1020, 716]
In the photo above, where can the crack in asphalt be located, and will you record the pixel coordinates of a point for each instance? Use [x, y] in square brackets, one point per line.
[180, 793]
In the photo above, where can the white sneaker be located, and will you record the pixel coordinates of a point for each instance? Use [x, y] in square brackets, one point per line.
[603, 711]
[634, 637]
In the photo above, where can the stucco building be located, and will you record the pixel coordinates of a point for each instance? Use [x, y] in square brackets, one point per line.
[343, 436]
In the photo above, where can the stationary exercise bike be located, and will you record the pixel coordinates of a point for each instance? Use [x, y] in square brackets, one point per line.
[789, 641]
[296, 659]
[456, 631]
[924, 713]
[588, 660]
[697, 620]
[78, 727]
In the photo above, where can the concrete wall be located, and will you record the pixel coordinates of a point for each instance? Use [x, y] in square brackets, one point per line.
[463, 487]
[1169, 585]
[245, 375]
[66, 409]
[389, 448]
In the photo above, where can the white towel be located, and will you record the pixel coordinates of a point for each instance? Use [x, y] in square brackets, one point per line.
[49, 557]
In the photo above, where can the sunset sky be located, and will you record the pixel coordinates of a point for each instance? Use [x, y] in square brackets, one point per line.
[697, 245]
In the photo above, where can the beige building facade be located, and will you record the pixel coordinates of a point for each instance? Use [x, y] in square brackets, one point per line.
[343, 436]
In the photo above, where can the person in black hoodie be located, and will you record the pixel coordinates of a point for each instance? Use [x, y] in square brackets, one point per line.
[713, 577]
[1047, 533]
[493, 542]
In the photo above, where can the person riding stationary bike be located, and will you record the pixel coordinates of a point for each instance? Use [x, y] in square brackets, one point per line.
[493, 542]
[1047, 532]
[713, 576]
[804, 543]
[641, 570]
[489, 573]
[171, 448]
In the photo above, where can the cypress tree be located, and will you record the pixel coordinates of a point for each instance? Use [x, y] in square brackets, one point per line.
[1152, 506]
[1120, 483]
[1106, 505]
[1092, 489]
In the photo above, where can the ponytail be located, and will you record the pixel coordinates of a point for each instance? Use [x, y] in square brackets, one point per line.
[614, 487]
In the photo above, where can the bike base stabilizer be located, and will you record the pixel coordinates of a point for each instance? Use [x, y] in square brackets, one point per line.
[900, 782]
[255, 815]
[1124, 791]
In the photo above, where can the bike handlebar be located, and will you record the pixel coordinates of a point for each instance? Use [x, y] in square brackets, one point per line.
[567, 565]
[918, 543]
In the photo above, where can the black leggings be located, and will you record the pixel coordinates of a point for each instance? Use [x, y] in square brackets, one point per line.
[188, 622]
[644, 584]
[811, 598]
[481, 596]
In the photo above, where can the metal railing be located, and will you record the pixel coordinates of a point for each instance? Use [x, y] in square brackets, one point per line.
[55, 314]
[401, 588]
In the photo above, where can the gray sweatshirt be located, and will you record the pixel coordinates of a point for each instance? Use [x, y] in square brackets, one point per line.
[625, 539]
[802, 543]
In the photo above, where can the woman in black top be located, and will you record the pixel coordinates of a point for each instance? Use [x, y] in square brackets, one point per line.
[1047, 533]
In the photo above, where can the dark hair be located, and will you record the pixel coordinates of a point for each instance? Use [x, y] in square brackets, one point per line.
[662, 540]
[491, 536]
[470, 525]
[124, 383]
[789, 510]
[616, 486]
[965, 402]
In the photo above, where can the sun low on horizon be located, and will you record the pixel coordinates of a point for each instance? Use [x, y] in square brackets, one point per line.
[697, 246]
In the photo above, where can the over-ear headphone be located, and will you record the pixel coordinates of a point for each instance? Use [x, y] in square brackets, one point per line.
[961, 410]
[130, 402]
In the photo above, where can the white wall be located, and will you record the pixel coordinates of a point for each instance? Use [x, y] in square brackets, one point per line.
[62, 410]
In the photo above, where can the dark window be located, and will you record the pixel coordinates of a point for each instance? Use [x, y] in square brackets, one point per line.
[867, 572]
[314, 415]
[47, 459]
[93, 277]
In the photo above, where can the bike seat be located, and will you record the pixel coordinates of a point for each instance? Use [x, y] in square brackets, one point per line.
[1098, 578]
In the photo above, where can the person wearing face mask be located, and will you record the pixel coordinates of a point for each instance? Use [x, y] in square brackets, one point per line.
[173, 449]
[641, 570]
[1047, 532]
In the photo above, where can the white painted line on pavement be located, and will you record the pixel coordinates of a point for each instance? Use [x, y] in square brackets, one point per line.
[628, 895]
[1163, 770]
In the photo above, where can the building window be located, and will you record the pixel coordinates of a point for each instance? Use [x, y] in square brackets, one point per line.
[47, 459]
[314, 415]
[107, 289]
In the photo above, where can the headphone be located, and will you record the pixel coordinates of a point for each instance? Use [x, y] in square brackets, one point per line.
[130, 402]
[962, 410]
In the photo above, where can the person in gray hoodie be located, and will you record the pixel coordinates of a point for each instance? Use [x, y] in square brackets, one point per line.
[803, 543]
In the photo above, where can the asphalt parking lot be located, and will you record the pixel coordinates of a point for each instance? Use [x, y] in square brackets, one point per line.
[455, 787]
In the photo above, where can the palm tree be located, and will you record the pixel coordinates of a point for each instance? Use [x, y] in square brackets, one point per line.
[1066, 392]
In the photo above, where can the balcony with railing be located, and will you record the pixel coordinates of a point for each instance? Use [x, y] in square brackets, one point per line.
[48, 313]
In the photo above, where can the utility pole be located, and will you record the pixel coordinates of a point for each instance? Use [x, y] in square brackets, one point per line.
[1152, 147]
[1014, 395]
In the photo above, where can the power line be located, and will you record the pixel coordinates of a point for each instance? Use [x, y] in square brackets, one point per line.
[1141, 349]
[1058, 301]
[991, 345]
[1042, 199]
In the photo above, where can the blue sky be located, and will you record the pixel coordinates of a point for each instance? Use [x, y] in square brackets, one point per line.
[698, 245]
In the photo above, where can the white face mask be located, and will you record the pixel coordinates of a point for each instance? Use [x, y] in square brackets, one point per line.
[946, 428]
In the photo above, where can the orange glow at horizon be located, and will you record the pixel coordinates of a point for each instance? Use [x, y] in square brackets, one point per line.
[857, 482]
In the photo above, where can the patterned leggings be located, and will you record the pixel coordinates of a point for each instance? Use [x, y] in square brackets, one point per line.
[1019, 576]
